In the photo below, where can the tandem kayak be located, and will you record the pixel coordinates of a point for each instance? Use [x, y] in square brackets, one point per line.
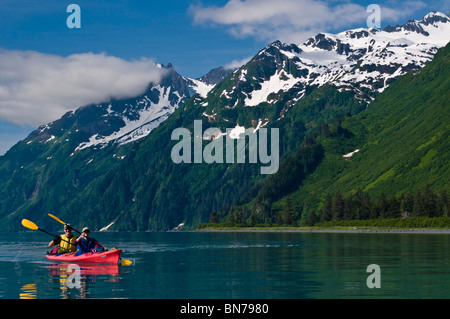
[104, 257]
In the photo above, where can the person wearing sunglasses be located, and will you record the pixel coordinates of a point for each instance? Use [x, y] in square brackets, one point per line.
[66, 242]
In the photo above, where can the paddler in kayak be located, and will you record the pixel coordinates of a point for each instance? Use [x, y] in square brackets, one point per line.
[86, 244]
[65, 242]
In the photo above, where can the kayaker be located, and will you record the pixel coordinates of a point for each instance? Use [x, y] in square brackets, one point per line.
[65, 242]
[86, 244]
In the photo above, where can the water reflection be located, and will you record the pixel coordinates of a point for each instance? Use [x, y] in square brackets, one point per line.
[85, 276]
[28, 291]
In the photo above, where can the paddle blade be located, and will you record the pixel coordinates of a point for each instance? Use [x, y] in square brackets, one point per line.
[126, 262]
[29, 224]
[56, 218]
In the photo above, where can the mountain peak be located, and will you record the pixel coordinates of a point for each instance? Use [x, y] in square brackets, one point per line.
[206, 83]
[434, 17]
[290, 47]
[329, 42]
[215, 75]
[420, 26]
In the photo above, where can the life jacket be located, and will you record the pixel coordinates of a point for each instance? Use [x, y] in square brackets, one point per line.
[64, 246]
[86, 246]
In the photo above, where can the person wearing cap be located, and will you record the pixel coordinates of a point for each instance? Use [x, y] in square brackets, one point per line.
[87, 244]
[65, 242]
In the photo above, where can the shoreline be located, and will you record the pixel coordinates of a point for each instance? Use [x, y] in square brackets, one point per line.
[327, 230]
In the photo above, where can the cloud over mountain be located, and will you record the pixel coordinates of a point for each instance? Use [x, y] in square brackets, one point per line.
[36, 88]
[290, 20]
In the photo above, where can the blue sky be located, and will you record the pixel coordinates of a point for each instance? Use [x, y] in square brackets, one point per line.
[195, 36]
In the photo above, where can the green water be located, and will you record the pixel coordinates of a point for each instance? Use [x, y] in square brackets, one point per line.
[235, 265]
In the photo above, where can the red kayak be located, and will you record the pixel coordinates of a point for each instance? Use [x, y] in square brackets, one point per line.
[106, 257]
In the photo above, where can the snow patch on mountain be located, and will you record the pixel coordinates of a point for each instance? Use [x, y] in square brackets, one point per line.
[200, 87]
[207, 82]
[346, 156]
[278, 81]
[236, 131]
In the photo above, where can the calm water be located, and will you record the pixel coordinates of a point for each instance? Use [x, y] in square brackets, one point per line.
[235, 265]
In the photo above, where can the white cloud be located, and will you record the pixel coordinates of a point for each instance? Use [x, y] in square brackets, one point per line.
[291, 20]
[37, 88]
[237, 63]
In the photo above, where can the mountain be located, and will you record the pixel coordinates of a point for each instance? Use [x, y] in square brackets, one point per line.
[399, 145]
[364, 61]
[119, 121]
[123, 121]
[110, 166]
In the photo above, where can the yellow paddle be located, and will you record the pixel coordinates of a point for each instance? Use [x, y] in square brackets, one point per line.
[125, 262]
[30, 225]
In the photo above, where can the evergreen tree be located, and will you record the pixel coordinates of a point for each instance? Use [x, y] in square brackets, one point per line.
[231, 218]
[374, 212]
[324, 130]
[327, 213]
[418, 208]
[348, 209]
[383, 206]
[357, 205]
[407, 205]
[366, 206]
[262, 213]
[393, 208]
[337, 208]
[239, 215]
[214, 218]
[288, 216]
[429, 202]
[444, 204]
[312, 219]
[279, 218]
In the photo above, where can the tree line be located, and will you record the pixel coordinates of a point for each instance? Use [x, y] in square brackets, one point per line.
[359, 206]
[421, 203]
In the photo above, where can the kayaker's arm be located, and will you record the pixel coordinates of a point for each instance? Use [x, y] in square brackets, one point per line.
[54, 241]
[97, 244]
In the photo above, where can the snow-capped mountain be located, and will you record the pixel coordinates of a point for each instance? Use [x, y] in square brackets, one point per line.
[122, 121]
[363, 60]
